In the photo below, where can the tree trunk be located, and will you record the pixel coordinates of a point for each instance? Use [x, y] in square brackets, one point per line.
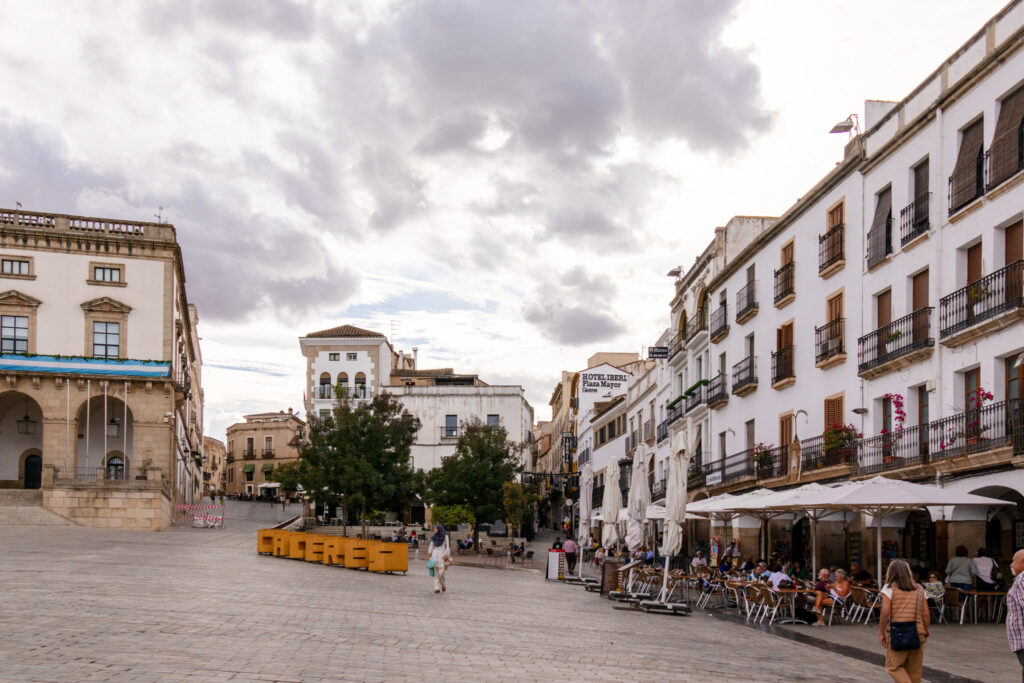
[363, 520]
[476, 536]
[344, 519]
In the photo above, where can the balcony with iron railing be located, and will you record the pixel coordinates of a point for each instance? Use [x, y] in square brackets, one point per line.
[719, 324]
[718, 391]
[771, 463]
[906, 447]
[268, 452]
[744, 376]
[648, 428]
[229, 457]
[324, 392]
[696, 475]
[631, 442]
[696, 398]
[988, 427]
[832, 250]
[698, 325]
[1005, 158]
[662, 431]
[746, 302]
[675, 412]
[966, 185]
[914, 219]
[785, 284]
[249, 453]
[816, 455]
[879, 243]
[830, 343]
[896, 345]
[675, 345]
[986, 305]
[447, 433]
[783, 367]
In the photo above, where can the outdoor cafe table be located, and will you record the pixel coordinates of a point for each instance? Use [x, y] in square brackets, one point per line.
[972, 596]
[791, 597]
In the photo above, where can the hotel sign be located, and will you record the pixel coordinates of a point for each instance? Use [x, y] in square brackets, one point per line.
[657, 352]
[592, 382]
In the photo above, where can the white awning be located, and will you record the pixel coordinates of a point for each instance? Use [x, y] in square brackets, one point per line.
[269, 485]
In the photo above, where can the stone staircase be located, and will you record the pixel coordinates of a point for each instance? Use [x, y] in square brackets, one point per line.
[18, 506]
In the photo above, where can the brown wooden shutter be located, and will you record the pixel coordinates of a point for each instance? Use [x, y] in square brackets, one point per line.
[786, 430]
[787, 334]
[883, 305]
[920, 289]
[836, 216]
[835, 308]
[787, 254]
[840, 415]
[1004, 151]
[921, 179]
[1013, 239]
[830, 412]
[878, 245]
[965, 172]
[974, 263]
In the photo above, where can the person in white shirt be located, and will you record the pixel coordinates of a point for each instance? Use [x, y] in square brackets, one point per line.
[440, 551]
[986, 566]
[777, 577]
[698, 560]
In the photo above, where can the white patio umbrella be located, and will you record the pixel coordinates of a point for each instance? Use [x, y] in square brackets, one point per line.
[881, 497]
[675, 514]
[639, 499]
[610, 505]
[586, 493]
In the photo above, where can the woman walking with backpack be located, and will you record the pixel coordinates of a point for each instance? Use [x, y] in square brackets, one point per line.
[904, 624]
[440, 554]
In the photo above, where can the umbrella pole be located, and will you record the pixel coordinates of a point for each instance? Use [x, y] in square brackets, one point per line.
[814, 545]
[878, 546]
[664, 580]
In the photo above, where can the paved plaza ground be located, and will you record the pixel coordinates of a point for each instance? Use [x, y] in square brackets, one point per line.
[201, 605]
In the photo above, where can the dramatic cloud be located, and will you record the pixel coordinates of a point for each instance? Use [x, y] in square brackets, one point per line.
[573, 310]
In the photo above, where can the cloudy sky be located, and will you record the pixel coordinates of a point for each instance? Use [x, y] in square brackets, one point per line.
[502, 184]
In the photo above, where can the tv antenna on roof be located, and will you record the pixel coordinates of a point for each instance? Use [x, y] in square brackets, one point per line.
[394, 324]
[159, 215]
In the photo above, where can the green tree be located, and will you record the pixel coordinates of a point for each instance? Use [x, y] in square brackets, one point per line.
[451, 515]
[360, 454]
[518, 505]
[289, 475]
[484, 460]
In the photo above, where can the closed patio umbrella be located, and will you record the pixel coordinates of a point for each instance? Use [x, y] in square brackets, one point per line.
[586, 492]
[639, 499]
[610, 505]
[675, 513]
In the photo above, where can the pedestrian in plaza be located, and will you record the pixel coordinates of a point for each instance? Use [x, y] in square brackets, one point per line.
[1015, 609]
[903, 623]
[960, 570]
[557, 545]
[570, 549]
[441, 554]
[987, 568]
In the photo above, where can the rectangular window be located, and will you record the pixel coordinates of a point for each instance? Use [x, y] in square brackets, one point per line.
[922, 405]
[334, 356]
[106, 274]
[836, 215]
[14, 334]
[451, 425]
[15, 267]
[786, 429]
[493, 421]
[887, 414]
[325, 412]
[248, 476]
[601, 438]
[834, 412]
[351, 356]
[106, 340]
[721, 444]
[750, 434]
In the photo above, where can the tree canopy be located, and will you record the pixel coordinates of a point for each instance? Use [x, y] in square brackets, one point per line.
[483, 462]
[361, 453]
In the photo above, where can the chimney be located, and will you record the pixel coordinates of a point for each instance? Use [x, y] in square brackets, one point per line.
[415, 356]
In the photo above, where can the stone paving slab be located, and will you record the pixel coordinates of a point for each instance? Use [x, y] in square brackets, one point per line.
[201, 605]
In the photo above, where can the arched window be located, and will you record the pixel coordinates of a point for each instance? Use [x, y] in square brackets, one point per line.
[360, 388]
[324, 390]
[343, 382]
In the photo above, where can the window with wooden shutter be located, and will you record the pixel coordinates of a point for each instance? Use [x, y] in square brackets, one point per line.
[787, 254]
[968, 176]
[880, 234]
[834, 412]
[920, 290]
[786, 429]
[836, 215]
[1005, 152]
[921, 180]
[974, 263]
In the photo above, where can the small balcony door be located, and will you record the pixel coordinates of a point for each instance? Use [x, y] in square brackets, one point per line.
[919, 288]
[883, 316]
[973, 274]
[1013, 239]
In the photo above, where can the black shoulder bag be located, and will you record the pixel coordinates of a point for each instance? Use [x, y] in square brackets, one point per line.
[903, 634]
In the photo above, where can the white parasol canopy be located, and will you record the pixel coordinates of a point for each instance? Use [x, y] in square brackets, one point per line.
[639, 499]
[675, 504]
[586, 494]
[610, 504]
[880, 497]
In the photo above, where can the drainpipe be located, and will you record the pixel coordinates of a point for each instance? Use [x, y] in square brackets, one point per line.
[935, 283]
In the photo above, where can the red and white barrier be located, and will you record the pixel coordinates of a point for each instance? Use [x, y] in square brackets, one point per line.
[200, 516]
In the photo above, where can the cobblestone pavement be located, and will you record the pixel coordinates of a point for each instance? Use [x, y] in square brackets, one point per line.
[201, 605]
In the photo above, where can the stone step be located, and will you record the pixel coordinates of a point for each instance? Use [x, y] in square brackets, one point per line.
[21, 497]
[30, 515]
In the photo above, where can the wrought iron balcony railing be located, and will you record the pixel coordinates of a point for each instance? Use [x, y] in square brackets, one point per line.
[719, 321]
[829, 340]
[746, 299]
[697, 398]
[744, 373]
[831, 247]
[785, 282]
[914, 218]
[879, 243]
[718, 389]
[782, 364]
[984, 299]
[895, 340]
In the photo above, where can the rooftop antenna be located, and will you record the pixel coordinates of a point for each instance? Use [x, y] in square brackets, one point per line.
[18, 204]
[394, 324]
[159, 214]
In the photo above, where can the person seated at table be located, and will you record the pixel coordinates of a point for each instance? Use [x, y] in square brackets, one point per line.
[836, 597]
[599, 556]
[986, 568]
[960, 570]
[725, 566]
[799, 571]
[698, 560]
[763, 572]
[394, 536]
[778, 578]
[934, 589]
[467, 544]
[649, 557]
[747, 565]
[860, 576]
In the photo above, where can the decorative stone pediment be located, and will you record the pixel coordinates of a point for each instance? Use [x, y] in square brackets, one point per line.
[13, 297]
[105, 304]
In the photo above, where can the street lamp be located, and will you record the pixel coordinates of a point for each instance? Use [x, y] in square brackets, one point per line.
[26, 425]
[113, 428]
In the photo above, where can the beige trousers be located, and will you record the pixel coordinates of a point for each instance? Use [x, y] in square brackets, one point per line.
[905, 666]
[439, 572]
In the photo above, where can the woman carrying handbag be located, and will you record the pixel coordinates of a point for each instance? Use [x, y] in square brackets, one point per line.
[439, 558]
[903, 624]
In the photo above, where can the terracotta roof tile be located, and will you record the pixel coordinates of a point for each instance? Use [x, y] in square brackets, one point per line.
[345, 331]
